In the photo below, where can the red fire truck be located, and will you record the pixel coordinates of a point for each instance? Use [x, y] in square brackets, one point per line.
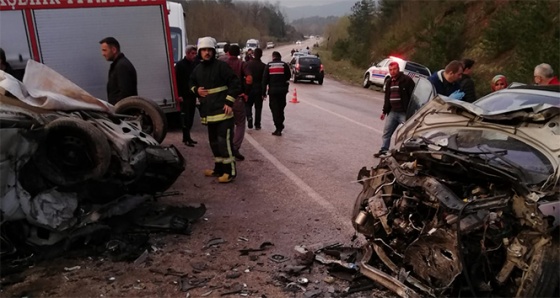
[65, 35]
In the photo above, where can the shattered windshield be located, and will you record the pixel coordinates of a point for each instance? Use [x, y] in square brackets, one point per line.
[497, 149]
[512, 101]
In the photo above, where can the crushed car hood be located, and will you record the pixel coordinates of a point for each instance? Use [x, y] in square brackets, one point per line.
[538, 126]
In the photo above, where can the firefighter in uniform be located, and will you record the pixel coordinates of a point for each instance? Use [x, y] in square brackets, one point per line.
[217, 86]
[276, 76]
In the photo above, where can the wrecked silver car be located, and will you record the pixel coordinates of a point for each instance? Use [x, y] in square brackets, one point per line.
[468, 202]
[68, 160]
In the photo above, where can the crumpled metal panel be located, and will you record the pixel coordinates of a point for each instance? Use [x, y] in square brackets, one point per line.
[435, 258]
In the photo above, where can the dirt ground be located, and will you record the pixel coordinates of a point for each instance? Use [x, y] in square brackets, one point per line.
[185, 266]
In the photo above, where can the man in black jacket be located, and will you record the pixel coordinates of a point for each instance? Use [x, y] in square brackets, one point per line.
[122, 81]
[217, 86]
[256, 68]
[183, 71]
[276, 76]
[466, 82]
[398, 91]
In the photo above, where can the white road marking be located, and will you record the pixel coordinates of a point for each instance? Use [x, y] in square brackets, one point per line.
[344, 117]
[342, 220]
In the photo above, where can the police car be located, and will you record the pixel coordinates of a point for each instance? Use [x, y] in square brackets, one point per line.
[378, 73]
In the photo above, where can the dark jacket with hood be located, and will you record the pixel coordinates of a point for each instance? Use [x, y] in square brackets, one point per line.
[122, 81]
[183, 71]
[222, 84]
[442, 86]
[277, 76]
[256, 68]
[406, 86]
[467, 86]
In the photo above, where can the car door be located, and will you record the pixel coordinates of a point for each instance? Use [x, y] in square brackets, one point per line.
[423, 92]
[378, 73]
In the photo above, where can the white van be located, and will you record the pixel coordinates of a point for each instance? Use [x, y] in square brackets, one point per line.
[177, 28]
[252, 44]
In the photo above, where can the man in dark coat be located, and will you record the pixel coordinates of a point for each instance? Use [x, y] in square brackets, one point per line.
[183, 71]
[276, 76]
[466, 82]
[446, 81]
[398, 91]
[256, 68]
[122, 81]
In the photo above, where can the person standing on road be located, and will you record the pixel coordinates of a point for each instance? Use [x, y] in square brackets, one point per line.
[217, 86]
[249, 55]
[183, 71]
[276, 77]
[499, 82]
[122, 81]
[466, 82]
[544, 75]
[256, 68]
[446, 81]
[398, 91]
[240, 69]
[225, 56]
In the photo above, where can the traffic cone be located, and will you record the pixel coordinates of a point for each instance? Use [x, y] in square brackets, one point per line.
[294, 97]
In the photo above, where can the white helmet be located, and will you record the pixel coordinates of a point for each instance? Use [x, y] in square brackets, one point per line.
[206, 42]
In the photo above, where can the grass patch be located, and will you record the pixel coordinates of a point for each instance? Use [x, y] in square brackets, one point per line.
[341, 70]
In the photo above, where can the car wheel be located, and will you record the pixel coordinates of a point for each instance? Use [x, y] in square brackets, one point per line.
[385, 84]
[73, 151]
[366, 82]
[150, 115]
[320, 81]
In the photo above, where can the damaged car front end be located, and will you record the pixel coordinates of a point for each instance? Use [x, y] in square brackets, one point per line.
[468, 203]
[68, 162]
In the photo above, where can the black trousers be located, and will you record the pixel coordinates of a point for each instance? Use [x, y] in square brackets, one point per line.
[220, 136]
[277, 105]
[188, 108]
[255, 98]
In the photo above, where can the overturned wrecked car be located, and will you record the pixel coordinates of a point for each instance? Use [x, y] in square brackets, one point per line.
[468, 202]
[68, 160]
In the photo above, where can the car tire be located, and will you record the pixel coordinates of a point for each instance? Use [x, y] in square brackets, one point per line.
[320, 81]
[366, 83]
[151, 116]
[385, 84]
[72, 152]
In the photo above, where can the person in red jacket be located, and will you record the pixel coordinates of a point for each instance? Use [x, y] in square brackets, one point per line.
[544, 75]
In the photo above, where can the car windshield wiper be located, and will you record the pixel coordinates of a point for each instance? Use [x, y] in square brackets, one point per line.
[501, 155]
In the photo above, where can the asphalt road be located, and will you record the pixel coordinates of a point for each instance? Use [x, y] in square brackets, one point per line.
[292, 190]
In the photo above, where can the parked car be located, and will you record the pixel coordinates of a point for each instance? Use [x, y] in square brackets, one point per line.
[378, 73]
[468, 202]
[307, 67]
[298, 42]
[270, 45]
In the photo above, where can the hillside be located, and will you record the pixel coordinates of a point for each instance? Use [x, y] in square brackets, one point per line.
[503, 37]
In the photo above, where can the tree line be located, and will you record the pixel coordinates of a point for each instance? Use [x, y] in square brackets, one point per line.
[505, 37]
[236, 22]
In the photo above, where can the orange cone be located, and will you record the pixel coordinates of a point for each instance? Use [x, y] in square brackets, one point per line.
[294, 97]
